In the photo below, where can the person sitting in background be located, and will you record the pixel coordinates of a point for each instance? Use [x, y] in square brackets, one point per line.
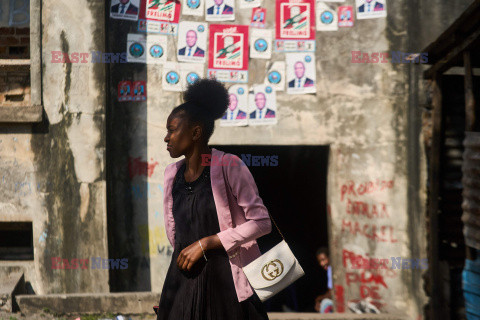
[324, 302]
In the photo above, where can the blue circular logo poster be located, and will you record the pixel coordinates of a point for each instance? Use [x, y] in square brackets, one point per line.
[261, 45]
[326, 17]
[274, 77]
[136, 50]
[308, 59]
[193, 4]
[172, 77]
[156, 51]
[192, 77]
[240, 91]
[268, 89]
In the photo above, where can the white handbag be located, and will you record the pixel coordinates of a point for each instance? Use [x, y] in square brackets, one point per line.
[274, 270]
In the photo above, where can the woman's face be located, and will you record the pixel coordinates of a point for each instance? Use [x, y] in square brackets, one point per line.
[179, 136]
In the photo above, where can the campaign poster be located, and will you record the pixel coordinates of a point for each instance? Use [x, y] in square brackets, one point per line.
[228, 53]
[236, 114]
[345, 16]
[139, 91]
[301, 73]
[371, 9]
[125, 9]
[136, 44]
[295, 25]
[220, 10]
[193, 7]
[157, 49]
[261, 43]
[192, 42]
[258, 17]
[327, 19]
[124, 91]
[190, 73]
[159, 16]
[245, 4]
[263, 106]
[276, 76]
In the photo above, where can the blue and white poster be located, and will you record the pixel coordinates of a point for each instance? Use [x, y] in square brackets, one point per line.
[263, 106]
[136, 48]
[276, 76]
[171, 80]
[261, 43]
[156, 49]
[327, 19]
[236, 114]
[193, 7]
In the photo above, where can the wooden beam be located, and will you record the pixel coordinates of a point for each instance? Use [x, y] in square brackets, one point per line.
[444, 64]
[470, 116]
[435, 280]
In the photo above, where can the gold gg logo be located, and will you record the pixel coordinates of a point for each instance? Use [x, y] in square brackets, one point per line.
[272, 270]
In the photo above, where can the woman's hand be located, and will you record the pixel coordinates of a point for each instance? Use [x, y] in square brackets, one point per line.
[191, 254]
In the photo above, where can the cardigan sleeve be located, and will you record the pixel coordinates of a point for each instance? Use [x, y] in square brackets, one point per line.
[245, 191]
[167, 202]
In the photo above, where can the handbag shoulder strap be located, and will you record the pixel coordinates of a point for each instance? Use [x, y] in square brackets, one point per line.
[230, 187]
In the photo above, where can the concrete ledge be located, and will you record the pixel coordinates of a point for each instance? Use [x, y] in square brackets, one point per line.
[90, 303]
[132, 303]
[21, 114]
[333, 316]
[12, 284]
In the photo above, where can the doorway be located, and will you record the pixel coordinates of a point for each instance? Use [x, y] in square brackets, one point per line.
[294, 190]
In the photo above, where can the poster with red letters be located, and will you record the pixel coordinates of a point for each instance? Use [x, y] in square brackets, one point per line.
[228, 53]
[159, 16]
[295, 25]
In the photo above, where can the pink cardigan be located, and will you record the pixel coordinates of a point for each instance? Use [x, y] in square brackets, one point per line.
[241, 214]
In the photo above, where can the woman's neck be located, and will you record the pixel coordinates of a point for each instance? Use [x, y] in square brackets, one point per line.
[194, 162]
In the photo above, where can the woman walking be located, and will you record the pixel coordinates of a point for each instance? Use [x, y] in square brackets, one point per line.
[213, 216]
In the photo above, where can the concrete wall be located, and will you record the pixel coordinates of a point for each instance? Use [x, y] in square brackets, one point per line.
[53, 172]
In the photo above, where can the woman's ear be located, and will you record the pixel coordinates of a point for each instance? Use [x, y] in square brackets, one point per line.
[197, 133]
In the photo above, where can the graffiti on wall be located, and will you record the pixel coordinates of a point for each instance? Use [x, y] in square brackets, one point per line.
[18, 13]
[365, 216]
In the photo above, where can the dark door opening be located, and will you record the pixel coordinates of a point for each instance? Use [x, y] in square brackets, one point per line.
[294, 192]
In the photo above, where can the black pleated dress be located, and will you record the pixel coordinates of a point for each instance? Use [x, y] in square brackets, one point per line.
[207, 292]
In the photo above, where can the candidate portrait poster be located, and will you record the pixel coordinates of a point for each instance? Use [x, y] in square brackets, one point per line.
[193, 7]
[258, 17]
[192, 42]
[371, 9]
[262, 106]
[237, 111]
[228, 53]
[219, 10]
[125, 9]
[301, 73]
[345, 16]
[159, 16]
[295, 25]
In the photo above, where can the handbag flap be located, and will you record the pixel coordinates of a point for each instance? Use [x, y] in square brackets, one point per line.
[271, 267]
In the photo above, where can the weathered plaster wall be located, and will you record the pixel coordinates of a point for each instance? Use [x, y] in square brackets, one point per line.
[53, 173]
